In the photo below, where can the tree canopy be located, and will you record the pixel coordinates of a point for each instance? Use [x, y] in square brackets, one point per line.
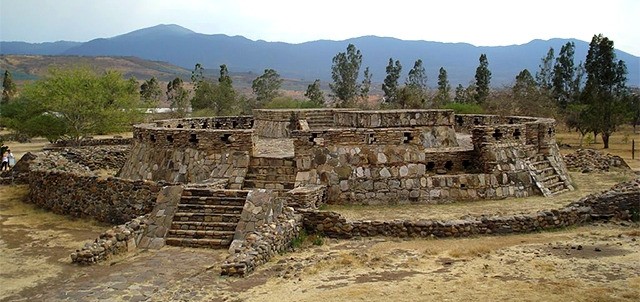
[483, 80]
[73, 104]
[344, 72]
[605, 91]
[9, 89]
[266, 87]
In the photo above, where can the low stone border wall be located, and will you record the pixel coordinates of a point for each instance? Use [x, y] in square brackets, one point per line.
[623, 201]
[93, 142]
[261, 245]
[112, 200]
[307, 197]
[265, 228]
[118, 240]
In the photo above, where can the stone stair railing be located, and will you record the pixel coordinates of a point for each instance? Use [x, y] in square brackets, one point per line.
[547, 177]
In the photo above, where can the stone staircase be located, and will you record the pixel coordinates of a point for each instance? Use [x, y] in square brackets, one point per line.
[546, 176]
[206, 218]
[271, 173]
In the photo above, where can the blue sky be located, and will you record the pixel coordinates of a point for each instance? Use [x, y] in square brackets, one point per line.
[482, 23]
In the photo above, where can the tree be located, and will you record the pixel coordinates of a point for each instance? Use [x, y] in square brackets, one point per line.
[544, 76]
[226, 100]
[266, 87]
[417, 77]
[178, 96]
[344, 73]
[150, 92]
[410, 96]
[564, 76]
[76, 103]
[8, 87]
[315, 95]
[390, 84]
[605, 90]
[465, 95]
[483, 79]
[365, 87]
[525, 85]
[443, 95]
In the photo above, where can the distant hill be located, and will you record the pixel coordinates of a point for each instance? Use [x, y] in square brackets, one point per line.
[311, 60]
[28, 67]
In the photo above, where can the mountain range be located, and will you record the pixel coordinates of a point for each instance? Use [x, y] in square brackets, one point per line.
[312, 60]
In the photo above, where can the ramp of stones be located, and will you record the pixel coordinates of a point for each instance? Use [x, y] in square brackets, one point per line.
[547, 177]
[271, 173]
[206, 218]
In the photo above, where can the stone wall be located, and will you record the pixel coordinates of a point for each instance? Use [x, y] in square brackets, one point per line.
[465, 123]
[620, 202]
[188, 155]
[388, 174]
[394, 118]
[97, 157]
[111, 199]
[92, 142]
[215, 123]
[266, 228]
[118, 240]
[278, 123]
[307, 197]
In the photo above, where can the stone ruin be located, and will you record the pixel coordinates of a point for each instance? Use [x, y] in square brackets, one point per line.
[361, 157]
[252, 183]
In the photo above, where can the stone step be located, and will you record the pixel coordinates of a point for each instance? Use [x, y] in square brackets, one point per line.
[271, 170]
[546, 172]
[205, 217]
[203, 226]
[271, 162]
[204, 243]
[273, 185]
[210, 209]
[220, 193]
[271, 178]
[539, 165]
[551, 179]
[559, 192]
[197, 234]
[555, 186]
[213, 200]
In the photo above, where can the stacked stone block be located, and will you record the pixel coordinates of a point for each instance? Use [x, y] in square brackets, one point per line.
[206, 218]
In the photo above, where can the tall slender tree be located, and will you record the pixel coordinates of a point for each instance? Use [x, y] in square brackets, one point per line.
[8, 87]
[605, 90]
[483, 80]
[365, 87]
[525, 85]
[564, 76]
[390, 83]
[417, 77]
[315, 95]
[544, 76]
[444, 88]
[150, 91]
[178, 96]
[344, 73]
